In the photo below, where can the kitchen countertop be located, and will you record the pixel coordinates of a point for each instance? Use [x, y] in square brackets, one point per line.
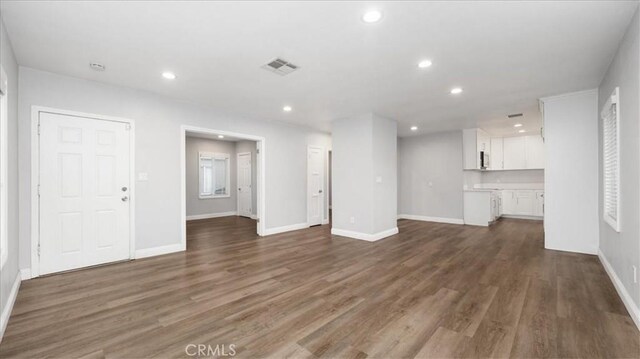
[489, 187]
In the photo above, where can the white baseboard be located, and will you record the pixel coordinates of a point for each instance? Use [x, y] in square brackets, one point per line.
[431, 219]
[6, 311]
[254, 216]
[211, 215]
[590, 251]
[514, 216]
[25, 273]
[157, 251]
[292, 227]
[632, 308]
[364, 236]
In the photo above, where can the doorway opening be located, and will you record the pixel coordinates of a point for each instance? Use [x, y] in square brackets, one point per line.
[222, 178]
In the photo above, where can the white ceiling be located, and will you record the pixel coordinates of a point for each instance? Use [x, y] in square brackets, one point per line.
[505, 55]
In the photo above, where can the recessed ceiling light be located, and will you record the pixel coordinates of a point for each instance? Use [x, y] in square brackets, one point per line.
[169, 75]
[522, 131]
[424, 64]
[517, 125]
[220, 136]
[287, 109]
[414, 128]
[96, 66]
[372, 16]
[456, 90]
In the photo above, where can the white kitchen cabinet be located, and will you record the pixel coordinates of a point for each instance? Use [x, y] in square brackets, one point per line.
[527, 203]
[514, 153]
[534, 152]
[497, 154]
[538, 206]
[481, 207]
[508, 202]
[474, 141]
[524, 203]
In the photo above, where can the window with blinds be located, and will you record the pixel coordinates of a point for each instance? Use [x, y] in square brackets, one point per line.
[214, 175]
[611, 160]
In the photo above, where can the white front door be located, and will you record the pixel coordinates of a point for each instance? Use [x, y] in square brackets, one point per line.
[315, 185]
[244, 184]
[84, 192]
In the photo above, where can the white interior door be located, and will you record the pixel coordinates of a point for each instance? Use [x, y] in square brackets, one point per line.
[84, 192]
[244, 184]
[315, 185]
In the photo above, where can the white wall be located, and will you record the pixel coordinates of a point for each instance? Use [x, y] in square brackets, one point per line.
[385, 168]
[9, 271]
[364, 148]
[158, 120]
[571, 173]
[250, 146]
[352, 174]
[622, 250]
[202, 206]
[430, 175]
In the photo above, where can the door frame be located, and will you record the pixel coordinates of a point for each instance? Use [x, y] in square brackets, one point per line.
[238, 176]
[260, 175]
[35, 178]
[325, 201]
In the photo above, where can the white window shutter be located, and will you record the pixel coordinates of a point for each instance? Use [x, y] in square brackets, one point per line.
[611, 161]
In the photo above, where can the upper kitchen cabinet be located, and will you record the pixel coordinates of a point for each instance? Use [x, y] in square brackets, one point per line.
[476, 145]
[497, 154]
[514, 153]
[523, 152]
[481, 152]
[534, 152]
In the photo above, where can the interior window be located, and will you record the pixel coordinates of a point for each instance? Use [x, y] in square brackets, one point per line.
[214, 175]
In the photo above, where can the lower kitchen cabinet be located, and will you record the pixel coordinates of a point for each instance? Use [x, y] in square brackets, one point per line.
[538, 205]
[528, 203]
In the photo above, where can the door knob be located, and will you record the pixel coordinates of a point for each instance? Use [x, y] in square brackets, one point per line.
[320, 191]
[124, 189]
[125, 198]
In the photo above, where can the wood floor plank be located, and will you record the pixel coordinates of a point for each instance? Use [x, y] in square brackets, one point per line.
[433, 291]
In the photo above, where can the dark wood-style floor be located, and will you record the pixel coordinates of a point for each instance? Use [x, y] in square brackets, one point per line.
[433, 291]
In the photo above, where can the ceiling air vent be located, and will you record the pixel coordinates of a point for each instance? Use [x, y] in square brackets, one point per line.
[514, 115]
[280, 67]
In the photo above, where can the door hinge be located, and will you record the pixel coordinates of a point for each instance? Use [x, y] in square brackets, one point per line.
[38, 249]
[127, 126]
[38, 190]
[38, 128]
[257, 150]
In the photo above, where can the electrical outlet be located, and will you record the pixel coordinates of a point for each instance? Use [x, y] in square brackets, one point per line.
[635, 274]
[352, 220]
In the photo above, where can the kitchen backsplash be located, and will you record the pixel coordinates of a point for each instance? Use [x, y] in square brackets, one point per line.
[532, 179]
